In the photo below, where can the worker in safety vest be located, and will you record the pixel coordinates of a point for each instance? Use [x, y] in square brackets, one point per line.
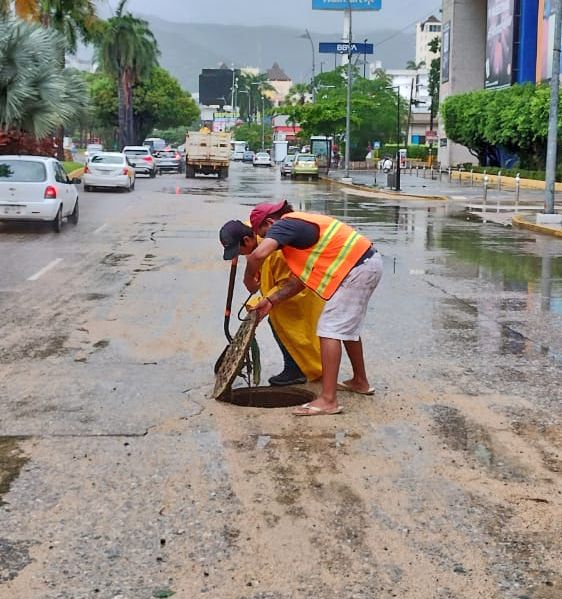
[338, 264]
[294, 323]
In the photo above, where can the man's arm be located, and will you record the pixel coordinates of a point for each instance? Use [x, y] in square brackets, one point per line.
[290, 289]
[254, 262]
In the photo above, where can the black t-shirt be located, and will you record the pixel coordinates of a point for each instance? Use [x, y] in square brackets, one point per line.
[293, 232]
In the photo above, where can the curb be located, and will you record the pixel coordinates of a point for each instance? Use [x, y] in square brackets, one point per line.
[519, 221]
[385, 194]
[77, 173]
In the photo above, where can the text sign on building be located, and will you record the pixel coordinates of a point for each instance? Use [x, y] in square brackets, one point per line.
[343, 48]
[346, 4]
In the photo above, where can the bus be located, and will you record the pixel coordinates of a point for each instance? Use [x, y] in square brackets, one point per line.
[237, 149]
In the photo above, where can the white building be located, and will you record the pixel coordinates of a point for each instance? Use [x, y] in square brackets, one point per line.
[426, 31]
[414, 88]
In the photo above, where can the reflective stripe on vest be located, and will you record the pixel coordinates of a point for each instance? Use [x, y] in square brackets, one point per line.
[323, 266]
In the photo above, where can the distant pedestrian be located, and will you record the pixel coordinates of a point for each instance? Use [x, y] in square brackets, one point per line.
[338, 264]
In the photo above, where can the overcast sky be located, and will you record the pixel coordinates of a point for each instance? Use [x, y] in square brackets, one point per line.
[396, 14]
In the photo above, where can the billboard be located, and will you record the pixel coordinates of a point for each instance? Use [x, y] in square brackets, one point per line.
[215, 87]
[545, 42]
[346, 4]
[499, 44]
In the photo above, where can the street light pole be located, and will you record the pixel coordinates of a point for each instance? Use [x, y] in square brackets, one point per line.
[365, 59]
[262, 123]
[349, 86]
[309, 37]
[552, 143]
[398, 169]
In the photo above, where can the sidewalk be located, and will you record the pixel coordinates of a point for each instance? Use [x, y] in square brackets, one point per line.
[501, 206]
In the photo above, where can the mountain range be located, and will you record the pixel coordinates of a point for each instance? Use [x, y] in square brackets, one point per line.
[189, 47]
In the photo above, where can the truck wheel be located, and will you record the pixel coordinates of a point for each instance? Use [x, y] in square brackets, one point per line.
[224, 173]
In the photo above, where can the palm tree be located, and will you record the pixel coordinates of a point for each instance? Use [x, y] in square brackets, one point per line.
[36, 94]
[127, 50]
[412, 65]
[253, 88]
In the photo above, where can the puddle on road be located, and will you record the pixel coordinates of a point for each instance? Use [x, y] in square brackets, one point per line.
[12, 460]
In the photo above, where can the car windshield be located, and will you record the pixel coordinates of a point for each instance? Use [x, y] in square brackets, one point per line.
[290, 159]
[139, 152]
[307, 159]
[105, 159]
[22, 171]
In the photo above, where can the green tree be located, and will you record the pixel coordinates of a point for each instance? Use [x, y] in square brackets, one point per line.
[159, 102]
[514, 118]
[434, 79]
[36, 94]
[127, 50]
[412, 65]
[373, 110]
[251, 89]
[252, 133]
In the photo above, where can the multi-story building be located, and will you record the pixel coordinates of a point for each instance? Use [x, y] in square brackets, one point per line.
[426, 31]
[281, 83]
[413, 87]
[490, 44]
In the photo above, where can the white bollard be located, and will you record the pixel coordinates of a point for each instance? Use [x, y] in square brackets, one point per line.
[486, 179]
[517, 191]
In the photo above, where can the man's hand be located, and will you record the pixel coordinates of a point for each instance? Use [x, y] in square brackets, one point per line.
[263, 308]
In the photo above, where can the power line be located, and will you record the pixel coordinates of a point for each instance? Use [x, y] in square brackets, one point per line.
[399, 32]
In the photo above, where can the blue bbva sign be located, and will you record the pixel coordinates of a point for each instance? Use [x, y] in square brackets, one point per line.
[343, 48]
[346, 4]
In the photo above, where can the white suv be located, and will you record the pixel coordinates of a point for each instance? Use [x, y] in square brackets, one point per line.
[141, 159]
[33, 188]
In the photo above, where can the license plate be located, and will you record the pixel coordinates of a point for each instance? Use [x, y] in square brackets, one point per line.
[13, 209]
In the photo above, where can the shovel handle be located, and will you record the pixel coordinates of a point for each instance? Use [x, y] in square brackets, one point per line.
[229, 295]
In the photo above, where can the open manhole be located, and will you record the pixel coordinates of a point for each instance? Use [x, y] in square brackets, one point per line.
[267, 397]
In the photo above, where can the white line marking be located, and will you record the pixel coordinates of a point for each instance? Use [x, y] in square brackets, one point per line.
[100, 229]
[40, 273]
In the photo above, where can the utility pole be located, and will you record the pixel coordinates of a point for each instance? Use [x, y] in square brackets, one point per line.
[349, 86]
[551, 152]
[262, 123]
[313, 84]
[365, 58]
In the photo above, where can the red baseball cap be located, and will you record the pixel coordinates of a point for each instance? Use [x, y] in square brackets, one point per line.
[262, 211]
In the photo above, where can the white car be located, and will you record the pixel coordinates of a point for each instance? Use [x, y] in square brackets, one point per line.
[262, 159]
[33, 188]
[142, 160]
[109, 169]
[92, 149]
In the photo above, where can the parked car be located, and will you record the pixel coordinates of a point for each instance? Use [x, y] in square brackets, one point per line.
[109, 169]
[33, 188]
[287, 165]
[304, 165]
[168, 160]
[141, 159]
[262, 159]
[248, 156]
[92, 149]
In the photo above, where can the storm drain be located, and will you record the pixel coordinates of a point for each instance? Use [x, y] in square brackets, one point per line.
[267, 397]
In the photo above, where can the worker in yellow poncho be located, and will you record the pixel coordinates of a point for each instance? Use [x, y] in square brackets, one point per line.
[293, 322]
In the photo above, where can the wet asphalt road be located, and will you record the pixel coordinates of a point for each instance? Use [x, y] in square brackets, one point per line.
[120, 478]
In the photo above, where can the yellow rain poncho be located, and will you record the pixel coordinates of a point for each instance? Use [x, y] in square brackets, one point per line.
[295, 319]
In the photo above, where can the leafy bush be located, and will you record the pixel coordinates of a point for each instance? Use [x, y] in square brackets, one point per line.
[515, 118]
[414, 152]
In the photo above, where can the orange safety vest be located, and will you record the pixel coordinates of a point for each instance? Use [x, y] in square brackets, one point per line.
[323, 266]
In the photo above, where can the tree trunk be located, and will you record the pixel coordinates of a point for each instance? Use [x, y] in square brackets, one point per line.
[123, 99]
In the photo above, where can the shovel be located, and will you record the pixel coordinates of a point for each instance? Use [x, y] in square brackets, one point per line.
[228, 310]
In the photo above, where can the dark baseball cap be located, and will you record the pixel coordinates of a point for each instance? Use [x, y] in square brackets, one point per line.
[230, 235]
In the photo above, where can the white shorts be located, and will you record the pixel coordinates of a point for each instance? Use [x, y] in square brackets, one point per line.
[344, 313]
